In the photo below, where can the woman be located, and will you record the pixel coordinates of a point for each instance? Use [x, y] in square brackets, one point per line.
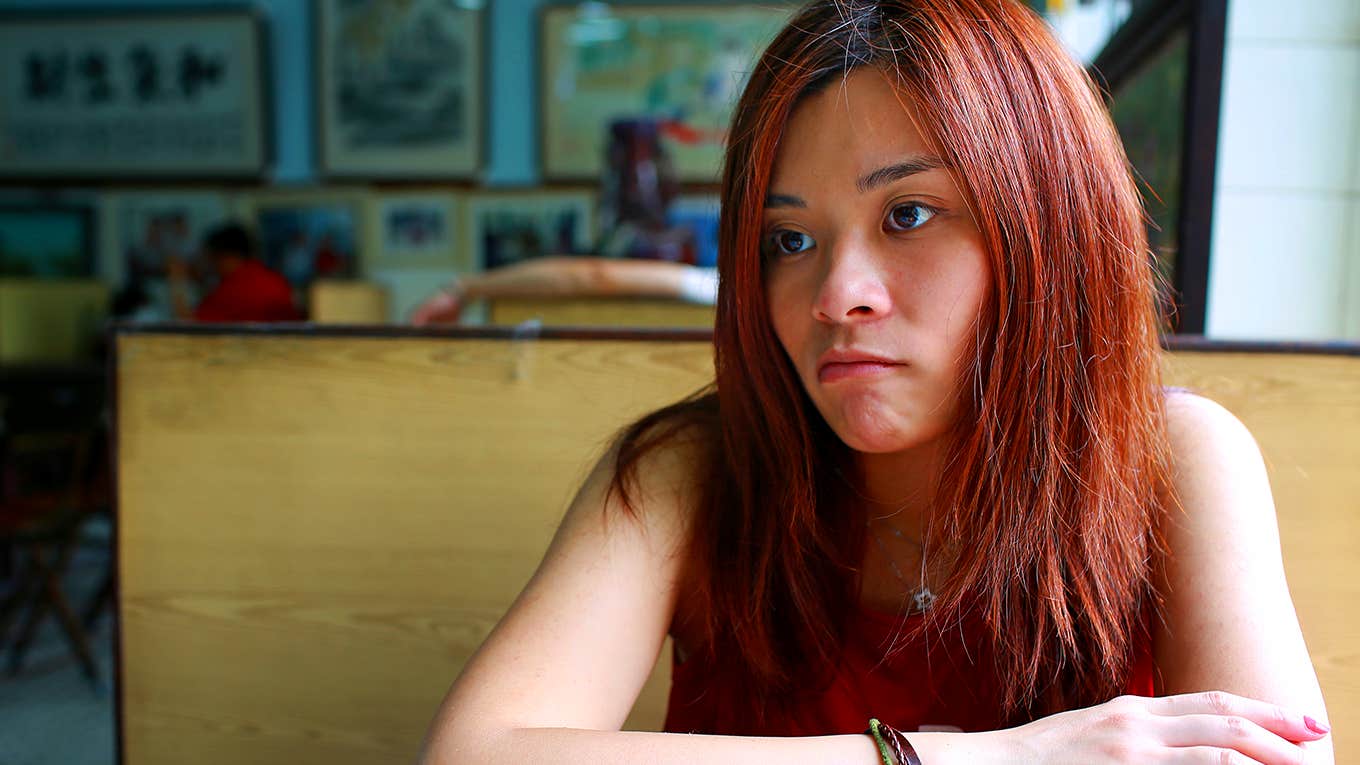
[938, 482]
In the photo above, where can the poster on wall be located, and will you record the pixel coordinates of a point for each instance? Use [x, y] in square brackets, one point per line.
[152, 228]
[683, 66]
[399, 88]
[148, 94]
[417, 230]
[46, 241]
[307, 237]
[509, 227]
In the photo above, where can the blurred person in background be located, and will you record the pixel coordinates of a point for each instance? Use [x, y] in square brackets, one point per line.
[247, 290]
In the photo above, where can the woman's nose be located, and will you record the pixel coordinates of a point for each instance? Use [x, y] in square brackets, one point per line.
[852, 286]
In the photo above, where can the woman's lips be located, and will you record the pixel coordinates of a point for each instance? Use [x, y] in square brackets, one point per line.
[848, 370]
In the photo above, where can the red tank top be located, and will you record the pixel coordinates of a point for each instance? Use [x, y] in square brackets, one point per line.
[930, 684]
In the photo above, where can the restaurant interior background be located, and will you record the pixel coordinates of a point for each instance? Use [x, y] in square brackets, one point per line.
[378, 150]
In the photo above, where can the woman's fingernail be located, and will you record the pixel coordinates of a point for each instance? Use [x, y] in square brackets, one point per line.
[1314, 725]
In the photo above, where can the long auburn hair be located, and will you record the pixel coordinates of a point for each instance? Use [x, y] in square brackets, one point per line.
[1051, 506]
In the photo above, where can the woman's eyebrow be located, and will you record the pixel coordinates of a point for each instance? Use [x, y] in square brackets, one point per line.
[896, 172]
[784, 200]
[870, 181]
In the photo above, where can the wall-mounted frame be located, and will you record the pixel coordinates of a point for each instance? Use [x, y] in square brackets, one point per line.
[504, 227]
[417, 229]
[683, 65]
[147, 94]
[698, 213]
[1163, 70]
[143, 229]
[399, 86]
[308, 235]
[42, 241]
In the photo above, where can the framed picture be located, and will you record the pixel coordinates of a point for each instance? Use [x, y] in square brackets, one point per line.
[399, 88]
[417, 230]
[308, 235]
[144, 230]
[46, 241]
[150, 227]
[508, 227]
[681, 65]
[698, 213]
[145, 93]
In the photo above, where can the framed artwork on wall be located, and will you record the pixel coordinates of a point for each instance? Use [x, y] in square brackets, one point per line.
[698, 213]
[133, 94]
[308, 235]
[399, 88]
[417, 230]
[150, 227]
[47, 241]
[144, 230]
[681, 65]
[510, 226]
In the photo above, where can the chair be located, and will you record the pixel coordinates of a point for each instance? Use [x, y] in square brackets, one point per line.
[51, 480]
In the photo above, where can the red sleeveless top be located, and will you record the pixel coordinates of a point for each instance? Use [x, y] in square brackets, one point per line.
[933, 683]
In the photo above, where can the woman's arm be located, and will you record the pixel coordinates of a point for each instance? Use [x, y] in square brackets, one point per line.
[556, 678]
[559, 277]
[1230, 621]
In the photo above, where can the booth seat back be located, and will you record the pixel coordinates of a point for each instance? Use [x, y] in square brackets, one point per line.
[316, 531]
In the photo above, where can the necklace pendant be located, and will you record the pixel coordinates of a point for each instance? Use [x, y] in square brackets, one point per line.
[923, 599]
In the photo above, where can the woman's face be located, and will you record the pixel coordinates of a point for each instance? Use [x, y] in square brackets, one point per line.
[874, 267]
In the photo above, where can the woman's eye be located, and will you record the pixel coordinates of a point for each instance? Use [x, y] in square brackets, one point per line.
[788, 242]
[908, 216]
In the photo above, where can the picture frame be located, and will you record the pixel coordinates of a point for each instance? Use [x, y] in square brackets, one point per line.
[307, 235]
[698, 213]
[505, 227]
[143, 229]
[162, 94]
[47, 241]
[417, 229]
[399, 89]
[683, 65]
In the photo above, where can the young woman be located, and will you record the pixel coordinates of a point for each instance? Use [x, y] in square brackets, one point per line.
[938, 481]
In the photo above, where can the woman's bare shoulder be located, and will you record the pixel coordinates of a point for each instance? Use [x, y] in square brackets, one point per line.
[1206, 439]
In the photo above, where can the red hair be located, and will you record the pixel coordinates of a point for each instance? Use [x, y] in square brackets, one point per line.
[1050, 507]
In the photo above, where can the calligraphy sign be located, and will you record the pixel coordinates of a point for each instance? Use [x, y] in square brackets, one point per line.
[137, 94]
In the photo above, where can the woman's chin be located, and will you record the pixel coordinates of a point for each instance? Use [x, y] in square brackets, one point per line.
[875, 432]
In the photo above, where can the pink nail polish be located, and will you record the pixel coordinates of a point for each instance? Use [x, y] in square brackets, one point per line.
[1314, 725]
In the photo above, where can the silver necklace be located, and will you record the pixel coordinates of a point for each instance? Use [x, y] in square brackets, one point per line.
[921, 596]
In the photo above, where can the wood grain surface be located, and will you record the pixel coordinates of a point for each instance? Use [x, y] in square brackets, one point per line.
[315, 533]
[347, 302]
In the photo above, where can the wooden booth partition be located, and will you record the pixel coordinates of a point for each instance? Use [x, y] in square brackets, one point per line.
[316, 531]
[317, 528]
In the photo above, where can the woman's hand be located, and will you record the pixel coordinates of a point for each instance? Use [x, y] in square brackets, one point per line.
[443, 307]
[1215, 728]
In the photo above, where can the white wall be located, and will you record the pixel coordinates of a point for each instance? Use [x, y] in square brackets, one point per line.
[1285, 260]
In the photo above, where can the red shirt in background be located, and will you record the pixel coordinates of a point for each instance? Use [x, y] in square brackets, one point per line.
[251, 292]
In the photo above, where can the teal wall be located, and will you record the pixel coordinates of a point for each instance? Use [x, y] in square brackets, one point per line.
[512, 152]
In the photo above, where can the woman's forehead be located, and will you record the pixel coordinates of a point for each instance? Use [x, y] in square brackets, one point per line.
[848, 129]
